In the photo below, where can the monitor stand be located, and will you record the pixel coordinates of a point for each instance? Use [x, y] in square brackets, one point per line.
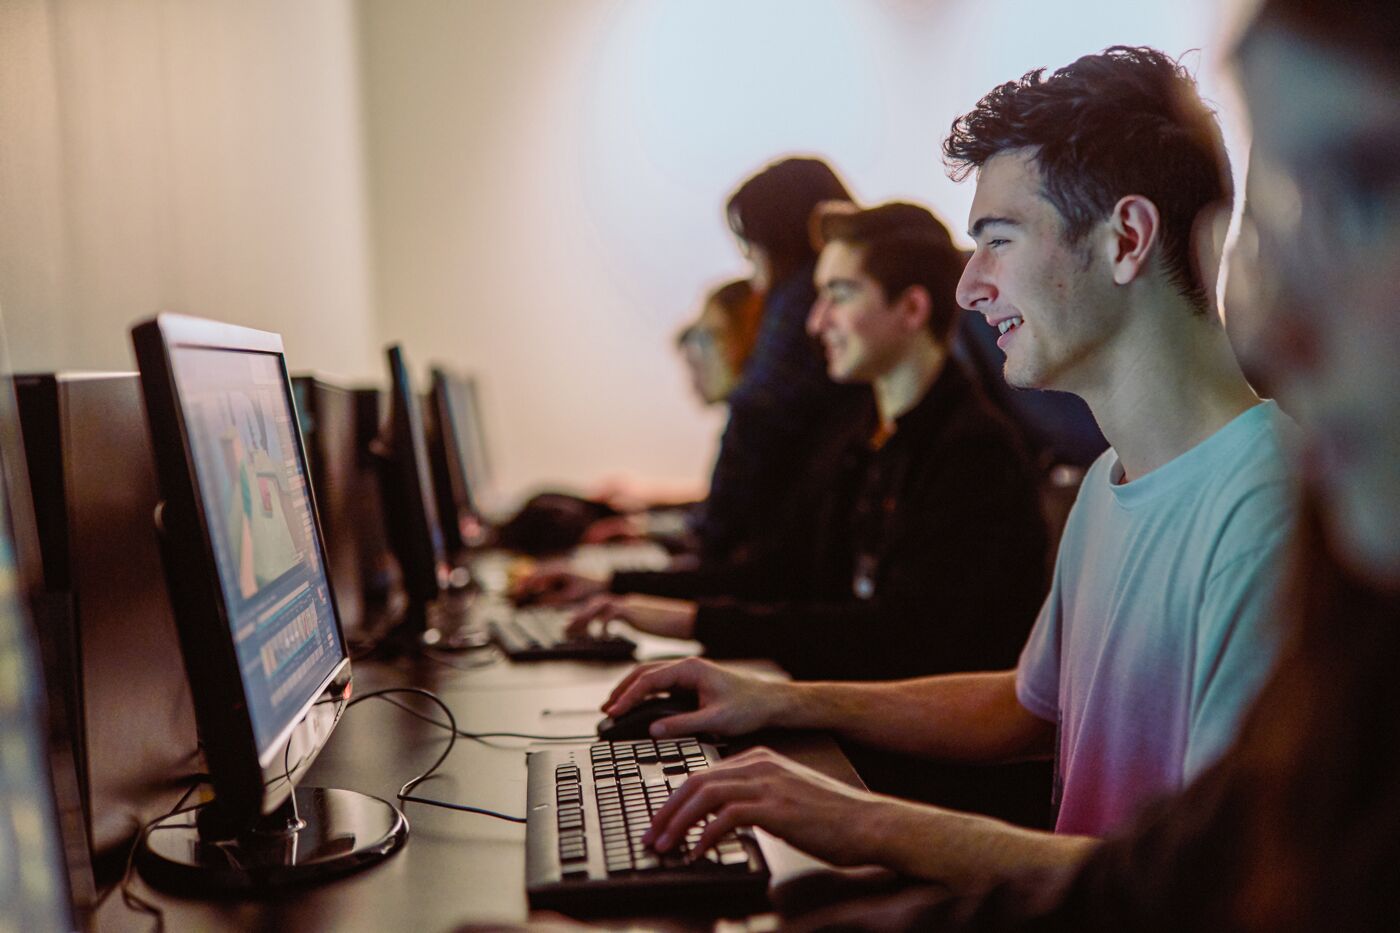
[411, 635]
[318, 834]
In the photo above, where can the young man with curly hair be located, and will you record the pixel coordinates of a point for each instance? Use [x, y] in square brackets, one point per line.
[1096, 188]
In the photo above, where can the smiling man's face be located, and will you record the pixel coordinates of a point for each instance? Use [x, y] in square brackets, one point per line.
[1048, 298]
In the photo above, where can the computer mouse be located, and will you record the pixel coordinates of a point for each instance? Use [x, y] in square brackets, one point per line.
[636, 722]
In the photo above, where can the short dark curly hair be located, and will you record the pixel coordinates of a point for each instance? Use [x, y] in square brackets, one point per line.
[904, 245]
[1124, 121]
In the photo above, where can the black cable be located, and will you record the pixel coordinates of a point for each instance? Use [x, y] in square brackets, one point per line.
[404, 794]
[130, 898]
[480, 736]
[464, 808]
[139, 904]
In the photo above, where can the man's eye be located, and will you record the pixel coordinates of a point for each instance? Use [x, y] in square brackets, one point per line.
[999, 241]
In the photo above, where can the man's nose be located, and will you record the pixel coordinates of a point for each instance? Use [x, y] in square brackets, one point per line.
[975, 288]
[816, 318]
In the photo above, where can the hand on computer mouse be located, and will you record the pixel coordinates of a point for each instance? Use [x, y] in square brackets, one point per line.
[730, 703]
[670, 618]
[636, 722]
[556, 585]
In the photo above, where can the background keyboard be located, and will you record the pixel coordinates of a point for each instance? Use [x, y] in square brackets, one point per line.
[537, 634]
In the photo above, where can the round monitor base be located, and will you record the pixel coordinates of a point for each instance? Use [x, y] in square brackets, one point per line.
[337, 832]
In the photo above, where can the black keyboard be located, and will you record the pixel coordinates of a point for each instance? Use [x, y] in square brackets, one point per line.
[537, 634]
[587, 810]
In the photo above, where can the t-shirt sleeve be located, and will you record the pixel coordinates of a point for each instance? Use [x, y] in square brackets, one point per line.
[1237, 639]
[1038, 670]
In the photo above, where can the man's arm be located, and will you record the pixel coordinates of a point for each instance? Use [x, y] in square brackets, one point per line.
[849, 827]
[972, 718]
[958, 717]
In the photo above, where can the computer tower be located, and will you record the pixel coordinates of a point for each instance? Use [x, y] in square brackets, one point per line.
[94, 488]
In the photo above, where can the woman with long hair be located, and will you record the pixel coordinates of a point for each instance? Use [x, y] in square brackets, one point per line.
[776, 410]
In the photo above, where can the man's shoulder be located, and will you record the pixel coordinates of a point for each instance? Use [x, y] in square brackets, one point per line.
[1257, 471]
[1266, 441]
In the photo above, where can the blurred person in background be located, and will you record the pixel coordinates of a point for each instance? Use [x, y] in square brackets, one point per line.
[782, 403]
[714, 348]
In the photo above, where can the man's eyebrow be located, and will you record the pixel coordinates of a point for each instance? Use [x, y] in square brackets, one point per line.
[984, 222]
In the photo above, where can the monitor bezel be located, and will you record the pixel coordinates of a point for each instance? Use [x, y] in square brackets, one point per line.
[247, 784]
[456, 490]
[59, 742]
[419, 550]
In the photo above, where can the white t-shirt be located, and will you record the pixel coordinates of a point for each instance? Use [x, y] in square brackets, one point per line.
[1157, 634]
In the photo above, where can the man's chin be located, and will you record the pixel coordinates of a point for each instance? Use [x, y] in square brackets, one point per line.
[1019, 380]
[838, 375]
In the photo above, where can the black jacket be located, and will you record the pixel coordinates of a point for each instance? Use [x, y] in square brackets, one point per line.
[777, 413]
[925, 556]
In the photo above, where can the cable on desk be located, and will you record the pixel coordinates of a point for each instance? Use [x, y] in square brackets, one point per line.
[404, 794]
[480, 736]
[130, 898]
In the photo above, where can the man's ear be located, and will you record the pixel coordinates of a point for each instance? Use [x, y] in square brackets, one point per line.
[914, 306]
[1135, 226]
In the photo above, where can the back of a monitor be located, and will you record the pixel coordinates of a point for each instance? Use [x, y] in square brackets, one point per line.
[140, 744]
[345, 493]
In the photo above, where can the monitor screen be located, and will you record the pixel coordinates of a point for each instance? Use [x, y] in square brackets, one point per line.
[33, 875]
[252, 480]
[471, 444]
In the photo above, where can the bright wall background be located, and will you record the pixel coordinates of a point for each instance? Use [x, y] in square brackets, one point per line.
[548, 177]
[182, 155]
[530, 190]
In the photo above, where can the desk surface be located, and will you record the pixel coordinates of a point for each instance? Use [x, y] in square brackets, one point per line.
[457, 869]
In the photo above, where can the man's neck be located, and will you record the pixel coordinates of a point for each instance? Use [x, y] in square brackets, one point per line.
[905, 384]
[1167, 388]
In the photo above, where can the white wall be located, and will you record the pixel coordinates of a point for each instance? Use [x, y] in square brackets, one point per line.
[186, 155]
[527, 189]
[548, 176]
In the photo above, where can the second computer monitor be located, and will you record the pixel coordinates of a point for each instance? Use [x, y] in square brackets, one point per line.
[407, 492]
[456, 460]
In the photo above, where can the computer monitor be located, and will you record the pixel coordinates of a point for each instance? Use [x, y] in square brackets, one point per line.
[45, 876]
[450, 449]
[381, 570]
[476, 460]
[406, 493]
[261, 639]
[109, 632]
[345, 494]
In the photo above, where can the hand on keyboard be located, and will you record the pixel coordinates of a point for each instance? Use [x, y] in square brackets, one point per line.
[556, 584]
[655, 615]
[809, 810]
